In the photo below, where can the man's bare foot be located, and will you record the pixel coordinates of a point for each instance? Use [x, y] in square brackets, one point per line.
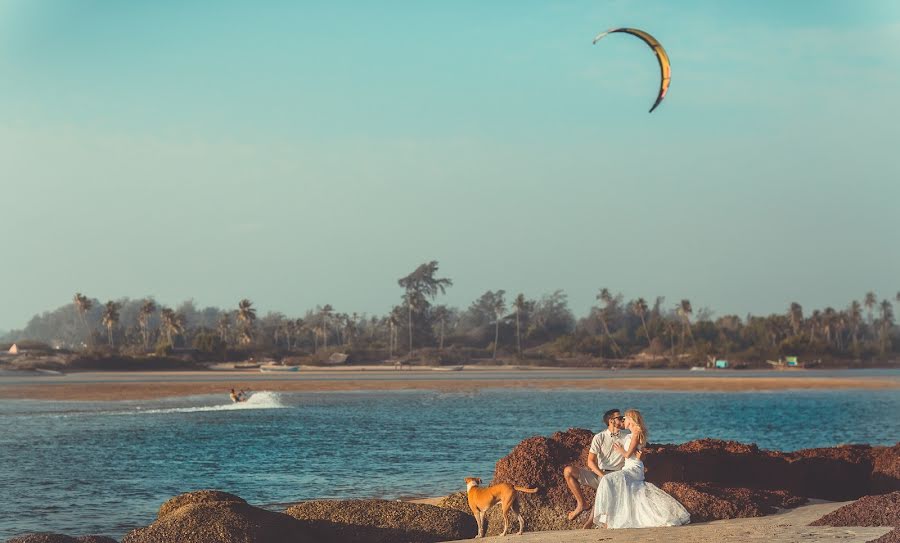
[578, 510]
[589, 524]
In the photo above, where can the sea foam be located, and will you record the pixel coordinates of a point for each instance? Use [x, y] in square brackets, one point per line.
[257, 400]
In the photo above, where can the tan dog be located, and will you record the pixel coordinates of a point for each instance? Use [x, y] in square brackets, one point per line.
[481, 499]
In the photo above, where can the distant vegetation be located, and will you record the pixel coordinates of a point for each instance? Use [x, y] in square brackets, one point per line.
[496, 325]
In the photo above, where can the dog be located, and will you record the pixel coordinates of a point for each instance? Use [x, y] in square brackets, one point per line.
[481, 499]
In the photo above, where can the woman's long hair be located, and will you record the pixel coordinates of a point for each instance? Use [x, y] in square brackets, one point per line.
[635, 415]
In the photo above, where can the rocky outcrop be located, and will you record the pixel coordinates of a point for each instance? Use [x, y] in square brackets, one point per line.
[715, 479]
[835, 473]
[219, 517]
[706, 502]
[382, 521]
[880, 510]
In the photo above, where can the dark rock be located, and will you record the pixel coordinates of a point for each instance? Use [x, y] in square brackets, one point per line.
[95, 539]
[885, 470]
[199, 496]
[382, 521]
[218, 517]
[880, 510]
[707, 502]
[835, 473]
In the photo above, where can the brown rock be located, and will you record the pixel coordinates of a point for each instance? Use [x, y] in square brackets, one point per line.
[885, 469]
[218, 517]
[881, 510]
[539, 461]
[199, 496]
[707, 502]
[95, 539]
[834, 473]
[377, 521]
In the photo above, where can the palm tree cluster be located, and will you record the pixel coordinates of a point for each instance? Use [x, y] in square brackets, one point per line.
[614, 328]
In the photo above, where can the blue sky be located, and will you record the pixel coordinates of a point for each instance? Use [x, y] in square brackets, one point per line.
[301, 153]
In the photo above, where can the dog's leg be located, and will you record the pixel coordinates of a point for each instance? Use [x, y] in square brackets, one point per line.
[516, 507]
[477, 516]
[505, 506]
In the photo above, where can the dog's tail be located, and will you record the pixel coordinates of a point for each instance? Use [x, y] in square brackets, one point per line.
[526, 490]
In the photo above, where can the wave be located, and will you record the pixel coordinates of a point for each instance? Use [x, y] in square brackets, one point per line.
[257, 400]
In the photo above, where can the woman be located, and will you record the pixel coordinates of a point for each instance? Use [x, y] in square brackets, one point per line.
[624, 499]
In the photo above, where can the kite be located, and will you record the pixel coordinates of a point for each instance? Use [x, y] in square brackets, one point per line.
[665, 69]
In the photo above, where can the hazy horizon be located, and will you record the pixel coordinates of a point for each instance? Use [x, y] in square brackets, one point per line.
[302, 154]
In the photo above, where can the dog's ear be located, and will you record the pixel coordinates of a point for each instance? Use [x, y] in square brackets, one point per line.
[478, 480]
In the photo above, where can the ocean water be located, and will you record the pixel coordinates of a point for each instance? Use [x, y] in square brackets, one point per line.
[105, 467]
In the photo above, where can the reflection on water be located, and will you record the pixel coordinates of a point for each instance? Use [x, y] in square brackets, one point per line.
[105, 467]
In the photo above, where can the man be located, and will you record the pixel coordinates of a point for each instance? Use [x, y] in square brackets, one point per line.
[602, 459]
[238, 396]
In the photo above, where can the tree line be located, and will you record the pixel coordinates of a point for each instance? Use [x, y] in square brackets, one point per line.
[497, 323]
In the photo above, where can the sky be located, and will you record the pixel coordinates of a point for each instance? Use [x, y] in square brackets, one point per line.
[304, 153]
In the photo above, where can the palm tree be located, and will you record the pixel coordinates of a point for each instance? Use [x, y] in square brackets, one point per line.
[499, 308]
[298, 327]
[412, 302]
[172, 324]
[224, 327]
[815, 321]
[110, 319]
[854, 314]
[82, 305]
[796, 315]
[887, 321]
[828, 321]
[420, 286]
[324, 315]
[670, 329]
[639, 308]
[870, 302]
[685, 311]
[521, 306]
[441, 313]
[148, 308]
[246, 315]
[392, 331]
[608, 302]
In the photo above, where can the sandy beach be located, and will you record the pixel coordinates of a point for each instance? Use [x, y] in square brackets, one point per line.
[789, 526]
[113, 386]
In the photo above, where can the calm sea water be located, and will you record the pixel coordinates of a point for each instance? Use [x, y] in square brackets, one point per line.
[105, 467]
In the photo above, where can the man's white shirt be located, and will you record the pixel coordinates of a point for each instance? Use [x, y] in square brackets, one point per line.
[608, 458]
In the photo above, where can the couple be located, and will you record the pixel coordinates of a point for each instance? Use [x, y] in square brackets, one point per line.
[615, 470]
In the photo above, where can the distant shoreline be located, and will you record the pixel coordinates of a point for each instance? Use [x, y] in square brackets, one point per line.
[120, 386]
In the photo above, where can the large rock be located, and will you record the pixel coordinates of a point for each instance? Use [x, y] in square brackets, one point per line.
[382, 521]
[881, 510]
[218, 517]
[835, 473]
[719, 479]
[539, 461]
[707, 502]
[885, 469]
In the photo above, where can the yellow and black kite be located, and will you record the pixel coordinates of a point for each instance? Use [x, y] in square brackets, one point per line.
[664, 67]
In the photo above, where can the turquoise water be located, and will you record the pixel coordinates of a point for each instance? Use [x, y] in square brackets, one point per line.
[105, 467]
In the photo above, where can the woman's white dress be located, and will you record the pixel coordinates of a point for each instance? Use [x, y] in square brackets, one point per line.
[625, 500]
